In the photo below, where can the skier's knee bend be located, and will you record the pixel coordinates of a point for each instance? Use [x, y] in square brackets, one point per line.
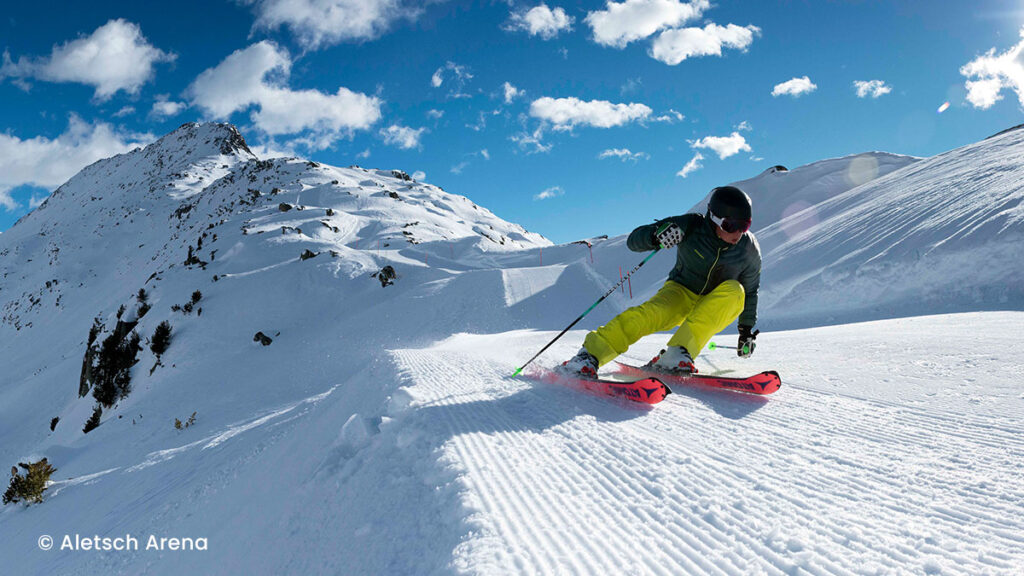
[732, 287]
[734, 291]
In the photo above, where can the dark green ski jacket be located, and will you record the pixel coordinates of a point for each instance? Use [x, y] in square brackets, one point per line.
[703, 260]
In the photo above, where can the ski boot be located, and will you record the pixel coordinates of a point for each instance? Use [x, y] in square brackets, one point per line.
[674, 360]
[583, 364]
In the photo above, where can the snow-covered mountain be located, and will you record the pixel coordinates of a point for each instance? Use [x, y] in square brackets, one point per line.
[377, 431]
[943, 234]
[877, 235]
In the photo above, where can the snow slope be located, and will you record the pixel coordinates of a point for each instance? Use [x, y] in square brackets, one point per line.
[861, 464]
[380, 432]
[942, 234]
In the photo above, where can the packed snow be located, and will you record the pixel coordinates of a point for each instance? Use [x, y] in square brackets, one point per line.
[380, 431]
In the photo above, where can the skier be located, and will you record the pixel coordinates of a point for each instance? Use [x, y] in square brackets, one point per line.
[714, 281]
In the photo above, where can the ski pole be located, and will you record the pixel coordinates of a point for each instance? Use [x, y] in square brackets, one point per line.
[713, 346]
[592, 306]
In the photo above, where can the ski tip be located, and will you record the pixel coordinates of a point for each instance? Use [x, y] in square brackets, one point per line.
[774, 385]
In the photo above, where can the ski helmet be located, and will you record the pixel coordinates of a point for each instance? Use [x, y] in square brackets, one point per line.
[730, 202]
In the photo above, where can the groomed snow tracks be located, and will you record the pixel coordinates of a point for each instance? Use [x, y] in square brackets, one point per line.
[554, 481]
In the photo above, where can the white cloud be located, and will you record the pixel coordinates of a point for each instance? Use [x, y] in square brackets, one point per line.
[435, 114]
[670, 117]
[481, 122]
[319, 23]
[531, 142]
[994, 73]
[692, 166]
[795, 87]
[272, 149]
[125, 111]
[284, 111]
[674, 46]
[115, 57]
[6, 201]
[402, 136]
[744, 126]
[623, 154]
[460, 75]
[872, 88]
[622, 23]
[567, 113]
[165, 108]
[724, 146]
[48, 163]
[255, 76]
[540, 21]
[36, 201]
[239, 80]
[419, 176]
[511, 92]
[985, 93]
[458, 168]
[549, 193]
[630, 86]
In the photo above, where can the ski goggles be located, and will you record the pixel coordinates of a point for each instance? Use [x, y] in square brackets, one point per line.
[732, 225]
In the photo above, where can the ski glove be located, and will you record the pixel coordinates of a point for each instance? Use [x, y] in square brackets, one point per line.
[668, 235]
[747, 342]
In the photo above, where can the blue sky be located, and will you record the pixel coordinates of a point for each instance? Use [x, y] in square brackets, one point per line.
[572, 118]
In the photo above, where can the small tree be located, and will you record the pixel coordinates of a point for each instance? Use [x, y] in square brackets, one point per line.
[197, 296]
[29, 487]
[88, 376]
[97, 327]
[191, 420]
[93, 420]
[128, 351]
[142, 296]
[113, 371]
[104, 391]
[161, 338]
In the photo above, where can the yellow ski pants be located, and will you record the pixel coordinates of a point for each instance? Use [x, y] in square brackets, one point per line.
[698, 317]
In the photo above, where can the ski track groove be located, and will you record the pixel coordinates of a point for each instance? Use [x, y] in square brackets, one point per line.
[474, 449]
[616, 487]
[471, 448]
[479, 458]
[706, 476]
[895, 500]
[523, 467]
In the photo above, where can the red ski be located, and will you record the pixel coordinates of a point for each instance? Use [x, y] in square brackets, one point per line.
[647, 389]
[763, 383]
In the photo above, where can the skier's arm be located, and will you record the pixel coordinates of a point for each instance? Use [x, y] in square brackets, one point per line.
[642, 239]
[751, 281]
